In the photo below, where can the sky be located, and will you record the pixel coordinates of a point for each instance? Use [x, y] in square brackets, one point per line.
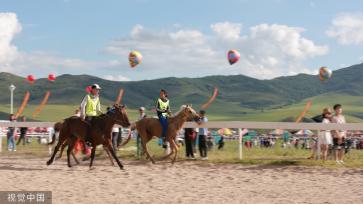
[178, 38]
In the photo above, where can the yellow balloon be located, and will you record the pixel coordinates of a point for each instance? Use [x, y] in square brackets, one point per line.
[135, 58]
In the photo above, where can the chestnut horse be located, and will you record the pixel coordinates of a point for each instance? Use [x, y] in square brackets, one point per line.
[99, 132]
[150, 127]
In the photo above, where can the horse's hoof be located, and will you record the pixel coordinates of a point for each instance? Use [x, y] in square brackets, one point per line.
[49, 163]
[70, 166]
[122, 168]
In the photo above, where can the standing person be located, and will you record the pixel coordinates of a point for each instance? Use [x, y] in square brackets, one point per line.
[203, 132]
[142, 115]
[221, 142]
[325, 136]
[163, 112]
[119, 137]
[189, 136]
[339, 135]
[77, 112]
[11, 134]
[23, 131]
[115, 136]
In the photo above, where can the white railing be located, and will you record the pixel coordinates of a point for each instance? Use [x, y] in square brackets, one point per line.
[230, 124]
[277, 125]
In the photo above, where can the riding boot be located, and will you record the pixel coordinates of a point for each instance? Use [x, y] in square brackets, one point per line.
[164, 141]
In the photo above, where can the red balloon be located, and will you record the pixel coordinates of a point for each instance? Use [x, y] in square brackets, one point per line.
[233, 56]
[88, 89]
[30, 78]
[51, 77]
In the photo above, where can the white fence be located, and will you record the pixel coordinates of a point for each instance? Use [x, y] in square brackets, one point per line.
[230, 124]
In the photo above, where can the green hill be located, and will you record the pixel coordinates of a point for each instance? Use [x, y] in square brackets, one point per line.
[240, 97]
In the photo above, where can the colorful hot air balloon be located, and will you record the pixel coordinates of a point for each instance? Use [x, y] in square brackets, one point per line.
[51, 77]
[233, 56]
[30, 78]
[324, 73]
[135, 58]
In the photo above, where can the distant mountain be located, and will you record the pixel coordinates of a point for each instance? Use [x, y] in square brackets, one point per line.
[236, 91]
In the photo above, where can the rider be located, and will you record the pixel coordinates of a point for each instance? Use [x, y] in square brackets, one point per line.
[91, 106]
[163, 111]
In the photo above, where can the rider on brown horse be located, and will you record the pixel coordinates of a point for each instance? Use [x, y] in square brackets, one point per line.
[90, 108]
[91, 105]
[163, 111]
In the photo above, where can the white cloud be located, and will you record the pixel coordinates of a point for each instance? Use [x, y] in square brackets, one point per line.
[116, 78]
[267, 51]
[227, 30]
[41, 62]
[37, 62]
[347, 29]
[9, 27]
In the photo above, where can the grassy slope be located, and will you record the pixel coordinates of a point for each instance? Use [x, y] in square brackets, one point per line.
[218, 111]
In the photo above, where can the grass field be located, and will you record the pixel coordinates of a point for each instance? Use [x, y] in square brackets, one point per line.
[352, 106]
[230, 154]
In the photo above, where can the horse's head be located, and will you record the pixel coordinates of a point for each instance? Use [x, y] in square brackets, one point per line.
[190, 113]
[118, 112]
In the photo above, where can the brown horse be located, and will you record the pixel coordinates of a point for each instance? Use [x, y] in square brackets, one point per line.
[150, 127]
[99, 131]
[57, 127]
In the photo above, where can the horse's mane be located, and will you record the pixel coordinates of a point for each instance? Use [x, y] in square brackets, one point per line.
[180, 110]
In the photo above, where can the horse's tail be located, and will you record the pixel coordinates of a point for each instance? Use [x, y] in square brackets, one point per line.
[132, 127]
[57, 128]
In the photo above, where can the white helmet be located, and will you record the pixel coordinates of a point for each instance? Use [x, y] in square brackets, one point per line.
[96, 86]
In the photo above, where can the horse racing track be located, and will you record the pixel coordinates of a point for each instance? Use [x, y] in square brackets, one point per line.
[183, 182]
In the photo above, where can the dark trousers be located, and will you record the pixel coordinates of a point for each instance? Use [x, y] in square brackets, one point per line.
[22, 137]
[89, 119]
[203, 145]
[138, 145]
[115, 136]
[164, 124]
[88, 138]
[188, 146]
[119, 138]
[221, 143]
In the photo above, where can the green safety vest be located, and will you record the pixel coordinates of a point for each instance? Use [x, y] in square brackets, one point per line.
[164, 106]
[91, 107]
